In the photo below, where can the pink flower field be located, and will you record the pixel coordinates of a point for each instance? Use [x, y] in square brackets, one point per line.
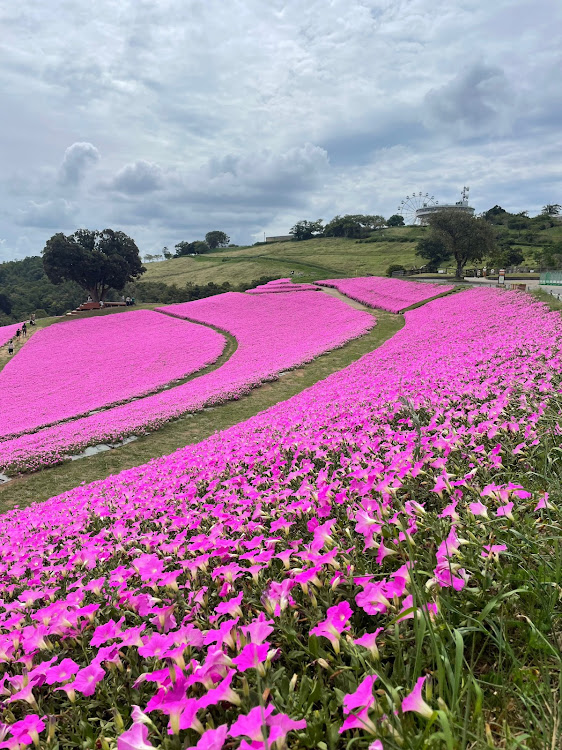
[81, 365]
[393, 295]
[315, 574]
[274, 333]
[8, 332]
[281, 286]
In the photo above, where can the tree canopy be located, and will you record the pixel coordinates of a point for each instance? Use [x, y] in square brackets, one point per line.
[198, 247]
[395, 221]
[353, 225]
[463, 237]
[434, 251]
[96, 261]
[305, 230]
[217, 239]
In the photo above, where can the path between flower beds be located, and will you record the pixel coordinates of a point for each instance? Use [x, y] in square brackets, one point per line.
[229, 348]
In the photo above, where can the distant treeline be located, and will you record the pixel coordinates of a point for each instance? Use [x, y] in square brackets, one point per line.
[25, 289]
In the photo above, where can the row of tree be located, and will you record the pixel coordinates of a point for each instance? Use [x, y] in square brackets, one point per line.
[354, 226]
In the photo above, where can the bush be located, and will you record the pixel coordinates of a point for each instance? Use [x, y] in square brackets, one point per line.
[40, 313]
[393, 268]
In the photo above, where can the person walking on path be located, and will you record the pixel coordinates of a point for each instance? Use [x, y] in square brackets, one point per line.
[18, 334]
[24, 330]
[10, 346]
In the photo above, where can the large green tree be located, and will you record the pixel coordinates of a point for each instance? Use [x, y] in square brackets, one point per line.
[197, 247]
[217, 239]
[395, 221]
[97, 261]
[353, 225]
[464, 237]
[434, 251]
[305, 230]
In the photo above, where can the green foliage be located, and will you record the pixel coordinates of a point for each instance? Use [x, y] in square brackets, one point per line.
[551, 209]
[393, 268]
[506, 256]
[518, 222]
[217, 239]
[305, 230]
[496, 215]
[353, 225]
[157, 291]
[166, 253]
[96, 261]
[395, 221]
[434, 251]
[5, 304]
[198, 247]
[463, 236]
[28, 288]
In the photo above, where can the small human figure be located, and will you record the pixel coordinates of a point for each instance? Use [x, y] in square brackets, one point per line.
[128, 301]
[24, 330]
[101, 304]
[32, 321]
[11, 346]
[18, 334]
[122, 298]
[132, 300]
[89, 298]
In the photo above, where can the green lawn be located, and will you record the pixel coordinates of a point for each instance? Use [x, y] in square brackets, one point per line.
[322, 257]
[315, 259]
[192, 429]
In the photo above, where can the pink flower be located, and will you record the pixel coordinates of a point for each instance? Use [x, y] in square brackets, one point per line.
[336, 622]
[362, 697]
[259, 629]
[28, 730]
[251, 724]
[230, 607]
[252, 656]
[369, 640]
[222, 692]
[85, 681]
[212, 739]
[61, 672]
[135, 738]
[415, 702]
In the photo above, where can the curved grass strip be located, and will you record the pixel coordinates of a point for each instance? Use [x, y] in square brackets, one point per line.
[79, 366]
[273, 335]
[394, 295]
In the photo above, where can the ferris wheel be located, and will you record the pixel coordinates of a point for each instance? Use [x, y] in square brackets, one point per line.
[412, 203]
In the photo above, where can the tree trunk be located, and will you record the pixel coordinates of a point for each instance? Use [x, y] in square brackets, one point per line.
[93, 292]
[459, 274]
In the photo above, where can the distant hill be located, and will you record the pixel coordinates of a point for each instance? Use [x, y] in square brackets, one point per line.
[322, 257]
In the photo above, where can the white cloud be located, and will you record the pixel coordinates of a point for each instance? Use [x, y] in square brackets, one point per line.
[248, 116]
[78, 158]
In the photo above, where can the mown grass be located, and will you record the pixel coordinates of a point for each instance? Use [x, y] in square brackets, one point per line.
[314, 259]
[26, 489]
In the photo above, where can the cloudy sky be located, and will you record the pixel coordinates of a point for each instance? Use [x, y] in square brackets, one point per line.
[169, 118]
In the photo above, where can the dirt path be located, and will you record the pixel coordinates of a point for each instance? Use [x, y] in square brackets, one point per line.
[18, 344]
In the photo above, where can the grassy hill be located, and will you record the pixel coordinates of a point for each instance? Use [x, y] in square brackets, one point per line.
[324, 257]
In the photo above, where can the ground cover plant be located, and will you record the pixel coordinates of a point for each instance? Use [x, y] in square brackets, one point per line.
[393, 295]
[8, 332]
[374, 563]
[82, 365]
[274, 333]
[281, 286]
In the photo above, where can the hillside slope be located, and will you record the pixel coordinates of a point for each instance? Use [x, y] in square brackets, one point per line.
[325, 257]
